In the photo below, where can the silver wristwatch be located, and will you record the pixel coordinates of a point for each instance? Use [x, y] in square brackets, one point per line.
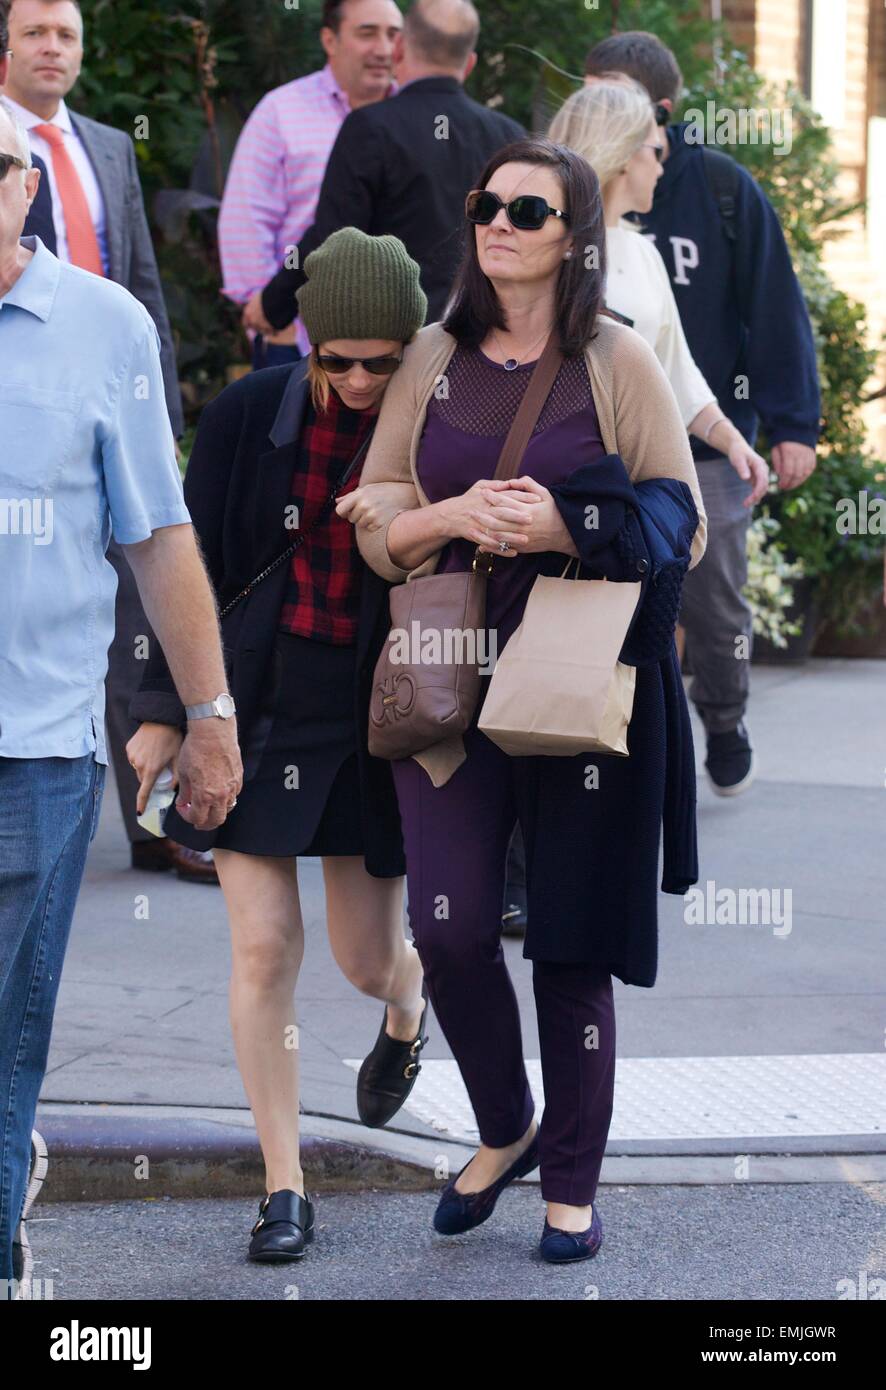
[222, 707]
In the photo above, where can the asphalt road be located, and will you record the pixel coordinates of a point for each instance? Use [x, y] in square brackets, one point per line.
[823, 1241]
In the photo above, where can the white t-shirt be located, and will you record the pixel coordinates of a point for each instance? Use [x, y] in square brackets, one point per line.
[637, 286]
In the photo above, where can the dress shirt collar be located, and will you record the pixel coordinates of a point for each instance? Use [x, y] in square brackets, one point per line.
[329, 84]
[36, 287]
[29, 119]
[437, 82]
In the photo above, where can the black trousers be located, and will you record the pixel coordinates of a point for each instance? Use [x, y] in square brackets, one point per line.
[515, 875]
[127, 657]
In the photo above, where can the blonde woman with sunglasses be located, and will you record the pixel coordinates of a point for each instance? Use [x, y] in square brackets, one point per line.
[613, 124]
[272, 455]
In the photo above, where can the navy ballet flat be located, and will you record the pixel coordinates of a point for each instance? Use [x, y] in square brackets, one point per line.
[462, 1211]
[565, 1247]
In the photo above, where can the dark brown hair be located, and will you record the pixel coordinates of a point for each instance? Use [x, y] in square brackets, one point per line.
[643, 57]
[579, 298]
[6, 8]
[332, 15]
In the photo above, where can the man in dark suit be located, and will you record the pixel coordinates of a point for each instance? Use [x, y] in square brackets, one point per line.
[404, 166]
[99, 220]
[40, 218]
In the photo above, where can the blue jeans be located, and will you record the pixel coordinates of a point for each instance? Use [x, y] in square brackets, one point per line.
[49, 810]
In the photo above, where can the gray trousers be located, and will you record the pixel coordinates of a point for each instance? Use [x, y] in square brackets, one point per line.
[714, 611]
[125, 671]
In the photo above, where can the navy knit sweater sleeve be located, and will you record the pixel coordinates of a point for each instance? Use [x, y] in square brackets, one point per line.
[740, 302]
[780, 352]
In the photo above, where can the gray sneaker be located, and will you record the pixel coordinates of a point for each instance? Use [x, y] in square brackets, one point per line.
[730, 761]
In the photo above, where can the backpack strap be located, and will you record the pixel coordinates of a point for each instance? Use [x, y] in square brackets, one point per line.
[721, 172]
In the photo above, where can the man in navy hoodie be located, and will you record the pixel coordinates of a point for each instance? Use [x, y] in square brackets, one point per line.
[747, 327]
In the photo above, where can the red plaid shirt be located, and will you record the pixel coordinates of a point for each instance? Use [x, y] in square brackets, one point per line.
[322, 597]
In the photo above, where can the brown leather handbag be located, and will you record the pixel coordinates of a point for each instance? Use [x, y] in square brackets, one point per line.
[427, 678]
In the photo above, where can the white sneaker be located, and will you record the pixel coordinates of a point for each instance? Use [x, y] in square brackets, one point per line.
[22, 1258]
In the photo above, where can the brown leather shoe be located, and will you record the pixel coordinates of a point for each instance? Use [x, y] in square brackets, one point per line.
[192, 865]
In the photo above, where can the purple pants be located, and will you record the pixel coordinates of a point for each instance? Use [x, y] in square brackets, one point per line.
[456, 839]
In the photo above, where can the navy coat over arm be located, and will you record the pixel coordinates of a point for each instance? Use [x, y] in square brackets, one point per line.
[593, 852]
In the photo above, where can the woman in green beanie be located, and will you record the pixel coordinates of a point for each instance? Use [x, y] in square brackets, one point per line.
[272, 455]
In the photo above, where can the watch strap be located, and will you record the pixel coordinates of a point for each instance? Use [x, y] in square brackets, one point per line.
[204, 711]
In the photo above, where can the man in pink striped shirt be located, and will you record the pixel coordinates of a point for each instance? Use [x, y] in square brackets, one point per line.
[277, 170]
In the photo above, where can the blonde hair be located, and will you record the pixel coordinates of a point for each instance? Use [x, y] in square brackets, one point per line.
[319, 384]
[607, 122]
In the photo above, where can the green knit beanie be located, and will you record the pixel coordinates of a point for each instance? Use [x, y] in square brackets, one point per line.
[361, 286]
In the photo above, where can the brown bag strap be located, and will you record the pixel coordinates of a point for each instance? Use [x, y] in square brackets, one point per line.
[531, 406]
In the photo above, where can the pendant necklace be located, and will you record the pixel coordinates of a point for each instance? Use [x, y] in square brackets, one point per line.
[512, 363]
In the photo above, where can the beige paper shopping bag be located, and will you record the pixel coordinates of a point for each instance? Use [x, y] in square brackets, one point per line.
[558, 687]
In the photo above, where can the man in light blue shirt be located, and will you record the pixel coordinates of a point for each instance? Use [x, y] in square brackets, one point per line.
[86, 450]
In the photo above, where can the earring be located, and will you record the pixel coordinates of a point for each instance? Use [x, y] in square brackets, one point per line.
[568, 256]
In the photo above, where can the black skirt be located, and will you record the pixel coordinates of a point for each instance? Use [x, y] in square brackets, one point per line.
[301, 790]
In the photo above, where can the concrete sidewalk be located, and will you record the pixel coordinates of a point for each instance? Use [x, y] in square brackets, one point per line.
[794, 1019]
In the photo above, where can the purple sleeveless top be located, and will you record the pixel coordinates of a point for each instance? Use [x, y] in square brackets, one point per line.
[463, 437]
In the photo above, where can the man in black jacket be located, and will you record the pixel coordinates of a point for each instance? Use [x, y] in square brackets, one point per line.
[404, 166]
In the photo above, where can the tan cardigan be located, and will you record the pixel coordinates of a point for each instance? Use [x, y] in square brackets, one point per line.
[638, 416]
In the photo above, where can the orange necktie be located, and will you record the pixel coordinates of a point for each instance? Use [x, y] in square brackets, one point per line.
[82, 240]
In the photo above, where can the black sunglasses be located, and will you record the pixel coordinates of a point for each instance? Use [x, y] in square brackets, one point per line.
[10, 161]
[662, 114]
[528, 213]
[338, 366]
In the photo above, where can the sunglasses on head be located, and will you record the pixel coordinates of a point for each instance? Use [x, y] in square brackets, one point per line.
[10, 161]
[528, 213]
[339, 366]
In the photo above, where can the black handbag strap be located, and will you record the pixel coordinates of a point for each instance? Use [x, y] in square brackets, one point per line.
[302, 535]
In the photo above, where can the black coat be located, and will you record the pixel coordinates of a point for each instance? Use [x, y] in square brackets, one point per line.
[403, 167]
[237, 489]
[39, 219]
[592, 852]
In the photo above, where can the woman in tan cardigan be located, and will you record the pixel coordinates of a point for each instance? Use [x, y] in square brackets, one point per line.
[535, 264]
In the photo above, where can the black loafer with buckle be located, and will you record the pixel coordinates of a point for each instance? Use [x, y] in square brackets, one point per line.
[388, 1073]
[284, 1228]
